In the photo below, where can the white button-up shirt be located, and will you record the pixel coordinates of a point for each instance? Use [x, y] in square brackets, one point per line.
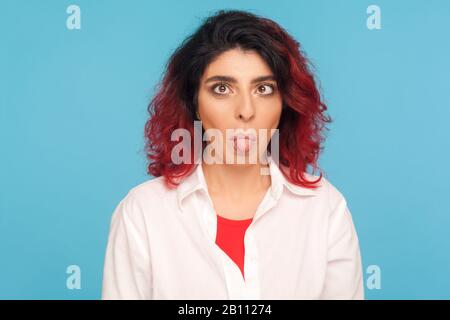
[301, 244]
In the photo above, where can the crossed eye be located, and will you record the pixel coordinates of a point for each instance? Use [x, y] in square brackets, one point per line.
[264, 92]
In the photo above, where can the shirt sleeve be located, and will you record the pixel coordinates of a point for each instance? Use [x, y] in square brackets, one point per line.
[127, 268]
[344, 279]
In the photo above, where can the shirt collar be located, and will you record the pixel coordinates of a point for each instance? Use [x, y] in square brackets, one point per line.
[196, 181]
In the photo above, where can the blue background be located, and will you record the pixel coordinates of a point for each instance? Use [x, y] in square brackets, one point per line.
[73, 106]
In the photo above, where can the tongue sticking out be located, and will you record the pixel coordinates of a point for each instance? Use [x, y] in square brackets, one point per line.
[242, 144]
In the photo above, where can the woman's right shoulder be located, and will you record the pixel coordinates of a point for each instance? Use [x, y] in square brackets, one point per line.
[153, 188]
[147, 195]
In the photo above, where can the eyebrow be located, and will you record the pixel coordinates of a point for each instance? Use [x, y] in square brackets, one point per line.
[233, 80]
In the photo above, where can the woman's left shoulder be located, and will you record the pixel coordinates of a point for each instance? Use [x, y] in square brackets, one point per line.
[327, 190]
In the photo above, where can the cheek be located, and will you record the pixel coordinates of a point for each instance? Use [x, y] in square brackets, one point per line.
[213, 112]
[271, 114]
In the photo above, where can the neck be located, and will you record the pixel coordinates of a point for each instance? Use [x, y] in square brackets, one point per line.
[235, 181]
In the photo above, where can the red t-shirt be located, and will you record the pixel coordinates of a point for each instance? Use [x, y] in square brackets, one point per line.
[230, 238]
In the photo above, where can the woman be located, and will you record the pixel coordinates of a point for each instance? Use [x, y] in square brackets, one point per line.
[213, 224]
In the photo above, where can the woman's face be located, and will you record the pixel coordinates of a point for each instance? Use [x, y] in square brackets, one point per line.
[238, 91]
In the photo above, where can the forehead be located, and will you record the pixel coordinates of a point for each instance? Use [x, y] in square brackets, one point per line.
[242, 65]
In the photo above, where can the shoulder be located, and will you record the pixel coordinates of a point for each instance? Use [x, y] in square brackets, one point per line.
[153, 188]
[143, 198]
[337, 207]
[333, 193]
[327, 192]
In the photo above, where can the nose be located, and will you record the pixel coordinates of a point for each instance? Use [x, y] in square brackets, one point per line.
[246, 109]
